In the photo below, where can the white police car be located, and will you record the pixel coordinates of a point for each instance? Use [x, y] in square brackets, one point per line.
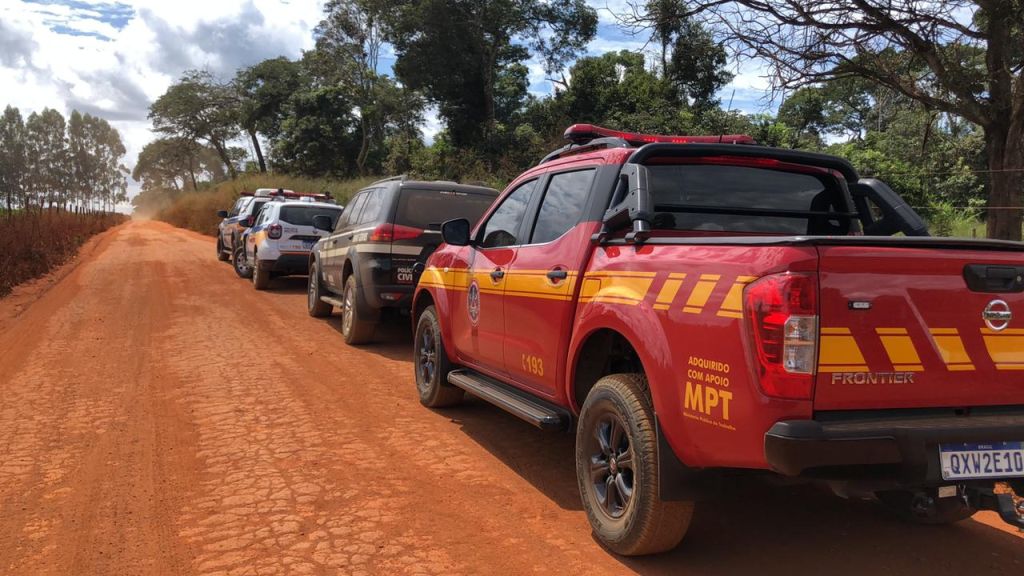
[279, 241]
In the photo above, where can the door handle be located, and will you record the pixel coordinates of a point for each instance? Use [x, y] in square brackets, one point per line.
[557, 275]
[497, 274]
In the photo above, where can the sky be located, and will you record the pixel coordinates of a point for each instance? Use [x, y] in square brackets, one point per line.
[112, 59]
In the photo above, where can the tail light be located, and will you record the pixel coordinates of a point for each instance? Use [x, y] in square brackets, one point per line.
[782, 310]
[274, 231]
[393, 232]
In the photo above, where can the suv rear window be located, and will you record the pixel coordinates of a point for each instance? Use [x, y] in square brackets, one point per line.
[303, 215]
[428, 209]
[746, 199]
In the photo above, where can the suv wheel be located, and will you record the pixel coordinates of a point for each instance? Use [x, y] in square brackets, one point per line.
[432, 365]
[222, 254]
[617, 470]
[317, 307]
[353, 328]
[240, 264]
[260, 275]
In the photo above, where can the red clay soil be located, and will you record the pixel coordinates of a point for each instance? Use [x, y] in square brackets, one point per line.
[159, 416]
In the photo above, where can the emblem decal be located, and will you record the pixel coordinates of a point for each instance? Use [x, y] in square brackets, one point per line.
[997, 315]
[473, 302]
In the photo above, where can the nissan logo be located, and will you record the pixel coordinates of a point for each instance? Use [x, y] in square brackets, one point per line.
[997, 315]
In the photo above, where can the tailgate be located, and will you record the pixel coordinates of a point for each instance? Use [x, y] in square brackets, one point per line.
[905, 327]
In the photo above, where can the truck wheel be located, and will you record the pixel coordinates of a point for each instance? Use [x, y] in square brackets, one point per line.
[432, 365]
[920, 508]
[260, 275]
[353, 328]
[222, 254]
[239, 263]
[617, 470]
[317, 307]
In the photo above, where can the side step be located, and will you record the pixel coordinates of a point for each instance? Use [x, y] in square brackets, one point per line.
[541, 414]
[332, 301]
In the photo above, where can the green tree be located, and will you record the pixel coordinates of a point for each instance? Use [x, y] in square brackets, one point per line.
[13, 162]
[318, 138]
[455, 51]
[953, 56]
[199, 109]
[263, 90]
[47, 155]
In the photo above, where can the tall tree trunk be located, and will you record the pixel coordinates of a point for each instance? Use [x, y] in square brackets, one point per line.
[192, 172]
[1006, 193]
[364, 146]
[259, 151]
[223, 153]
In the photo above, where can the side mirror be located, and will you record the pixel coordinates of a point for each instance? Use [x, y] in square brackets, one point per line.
[322, 222]
[456, 232]
[222, 213]
[248, 222]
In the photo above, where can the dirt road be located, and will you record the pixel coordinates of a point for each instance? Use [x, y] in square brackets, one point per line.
[159, 416]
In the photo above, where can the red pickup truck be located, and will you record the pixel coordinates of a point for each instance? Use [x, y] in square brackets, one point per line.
[695, 304]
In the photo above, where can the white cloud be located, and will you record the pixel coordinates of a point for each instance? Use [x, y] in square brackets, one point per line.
[113, 59]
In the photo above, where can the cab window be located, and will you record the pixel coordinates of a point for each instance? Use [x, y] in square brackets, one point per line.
[563, 205]
[351, 214]
[238, 206]
[372, 207]
[502, 228]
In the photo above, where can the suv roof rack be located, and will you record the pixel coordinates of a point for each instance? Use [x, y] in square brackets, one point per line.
[399, 178]
[587, 137]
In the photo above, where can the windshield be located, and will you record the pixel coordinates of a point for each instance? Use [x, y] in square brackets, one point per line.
[428, 209]
[747, 199]
[303, 215]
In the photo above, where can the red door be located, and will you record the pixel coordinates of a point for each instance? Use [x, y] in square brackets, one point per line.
[480, 324]
[542, 283]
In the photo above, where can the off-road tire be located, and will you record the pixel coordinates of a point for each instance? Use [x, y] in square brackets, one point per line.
[431, 364]
[640, 523]
[355, 329]
[222, 254]
[260, 275]
[946, 510]
[237, 258]
[317, 308]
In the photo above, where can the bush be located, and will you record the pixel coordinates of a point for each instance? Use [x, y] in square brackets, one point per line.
[33, 243]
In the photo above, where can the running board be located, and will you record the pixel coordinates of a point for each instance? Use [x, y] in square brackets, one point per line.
[541, 414]
[332, 301]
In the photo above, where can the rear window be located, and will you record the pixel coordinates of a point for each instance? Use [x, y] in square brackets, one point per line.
[303, 215]
[428, 209]
[747, 199]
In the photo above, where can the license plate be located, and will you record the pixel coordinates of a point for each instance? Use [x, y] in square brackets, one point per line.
[308, 244]
[995, 460]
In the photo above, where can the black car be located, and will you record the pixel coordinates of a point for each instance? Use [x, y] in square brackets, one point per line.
[365, 266]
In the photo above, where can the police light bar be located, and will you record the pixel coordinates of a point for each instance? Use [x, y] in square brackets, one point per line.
[583, 133]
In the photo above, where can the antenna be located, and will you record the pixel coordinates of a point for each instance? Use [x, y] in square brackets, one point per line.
[727, 110]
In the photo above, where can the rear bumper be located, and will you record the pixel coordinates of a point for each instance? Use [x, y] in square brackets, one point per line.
[902, 449]
[288, 263]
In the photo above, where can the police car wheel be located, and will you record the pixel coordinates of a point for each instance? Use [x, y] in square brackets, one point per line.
[238, 262]
[355, 329]
[260, 275]
[432, 365]
[222, 254]
[617, 470]
[317, 307]
[919, 508]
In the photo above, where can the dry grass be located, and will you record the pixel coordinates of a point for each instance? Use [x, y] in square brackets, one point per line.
[198, 210]
[32, 243]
